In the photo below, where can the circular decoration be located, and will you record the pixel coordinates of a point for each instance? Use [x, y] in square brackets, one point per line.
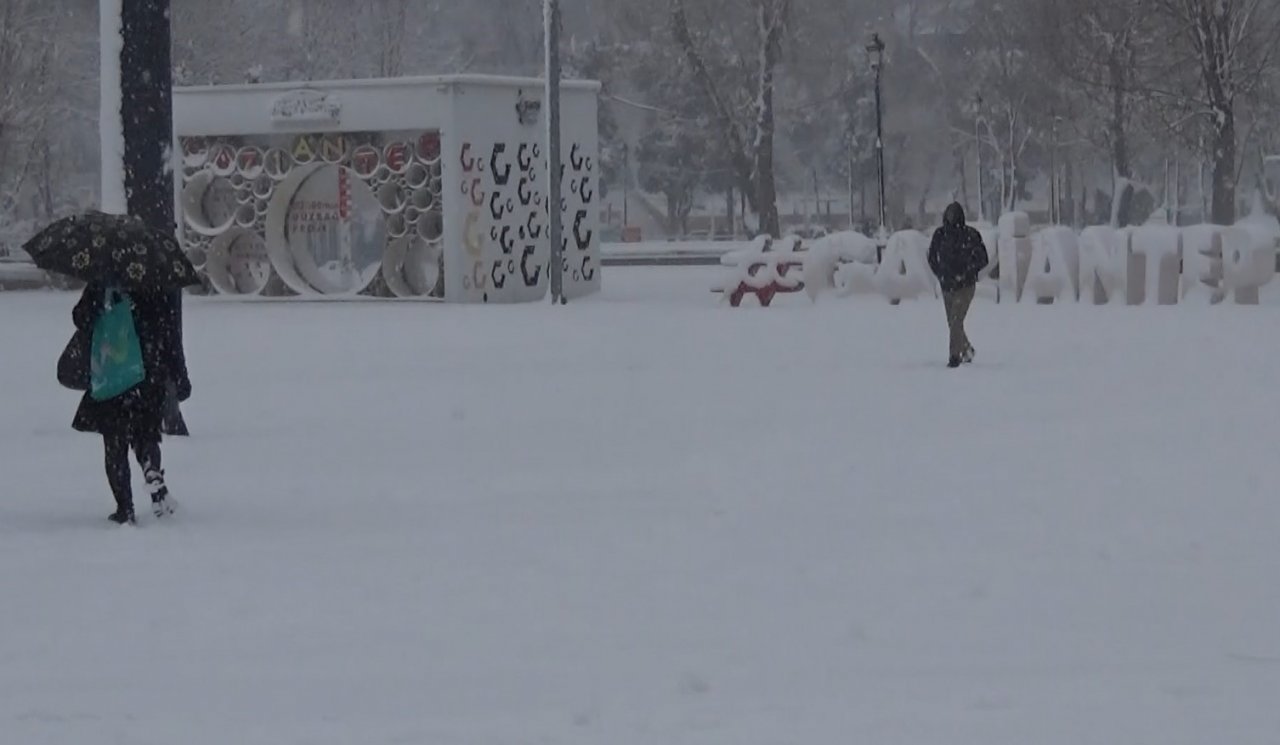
[198, 255]
[333, 150]
[431, 226]
[396, 157]
[195, 153]
[397, 226]
[237, 263]
[365, 161]
[209, 204]
[222, 159]
[428, 149]
[391, 197]
[249, 163]
[263, 187]
[247, 215]
[411, 267]
[423, 199]
[277, 163]
[417, 176]
[332, 229]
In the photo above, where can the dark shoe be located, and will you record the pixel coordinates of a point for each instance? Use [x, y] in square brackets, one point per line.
[954, 362]
[123, 516]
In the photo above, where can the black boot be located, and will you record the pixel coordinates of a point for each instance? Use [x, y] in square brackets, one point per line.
[123, 516]
[954, 362]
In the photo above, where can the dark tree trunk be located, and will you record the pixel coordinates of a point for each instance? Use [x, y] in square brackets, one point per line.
[728, 207]
[1224, 169]
[146, 88]
[766, 186]
[147, 106]
[1119, 116]
[1215, 41]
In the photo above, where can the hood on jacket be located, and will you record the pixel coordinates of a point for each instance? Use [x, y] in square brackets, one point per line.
[954, 216]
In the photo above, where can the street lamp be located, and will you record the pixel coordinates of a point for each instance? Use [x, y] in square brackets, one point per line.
[977, 139]
[626, 185]
[1055, 199]
[875, 51]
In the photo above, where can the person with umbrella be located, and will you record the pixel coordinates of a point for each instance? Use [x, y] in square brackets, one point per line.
[127, 347]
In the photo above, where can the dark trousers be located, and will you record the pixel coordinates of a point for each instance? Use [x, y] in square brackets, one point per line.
[957, 304]
[145, 449]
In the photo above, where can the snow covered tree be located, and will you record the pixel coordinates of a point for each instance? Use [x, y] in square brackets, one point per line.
[1102, 47]
[1230, 50]
[742, 105]
[46, 105]
[1001, 44]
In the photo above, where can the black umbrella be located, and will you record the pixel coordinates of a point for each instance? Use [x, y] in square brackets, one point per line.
[97, 247]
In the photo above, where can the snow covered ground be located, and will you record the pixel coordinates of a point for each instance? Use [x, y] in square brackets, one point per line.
[646, 519]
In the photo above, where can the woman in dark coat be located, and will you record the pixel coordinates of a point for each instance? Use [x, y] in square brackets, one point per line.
[132, 419]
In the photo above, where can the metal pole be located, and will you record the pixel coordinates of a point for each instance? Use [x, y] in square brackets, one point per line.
[852, 196]
[626, 184]
[551, 17]
[977, 139]
[880, 146]
[1053, 175]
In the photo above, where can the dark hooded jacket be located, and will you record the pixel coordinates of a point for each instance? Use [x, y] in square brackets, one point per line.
[957, 255]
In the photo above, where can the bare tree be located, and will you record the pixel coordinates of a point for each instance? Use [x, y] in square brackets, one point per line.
[749, 129]
[1231, 47]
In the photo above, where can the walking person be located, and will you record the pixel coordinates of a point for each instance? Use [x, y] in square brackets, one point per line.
[126, 354]
[132, 419]
[957, 257]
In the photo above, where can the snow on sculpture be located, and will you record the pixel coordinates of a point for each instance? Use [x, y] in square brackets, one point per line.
[1103, 264]
[1154, 260]
[1014, 250]
[988, 284]
[1249, 257]
[904, 272]
[1202, 263]
[1053, 273]
[1154, 264]
[831, 257]
[766, 269]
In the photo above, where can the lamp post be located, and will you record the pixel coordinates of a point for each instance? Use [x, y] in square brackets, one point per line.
[626, 185]
[1055, 199]
[977, 141]
[875, 50]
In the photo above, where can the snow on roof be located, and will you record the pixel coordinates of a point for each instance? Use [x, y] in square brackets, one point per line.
[406, 82]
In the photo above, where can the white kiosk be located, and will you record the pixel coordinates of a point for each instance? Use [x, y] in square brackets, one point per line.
[432, 187]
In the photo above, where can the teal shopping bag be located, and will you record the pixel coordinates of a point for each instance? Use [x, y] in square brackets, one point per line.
[115, 362]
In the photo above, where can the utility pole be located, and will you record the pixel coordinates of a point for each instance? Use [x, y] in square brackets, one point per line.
[977, 140]
[626, 185]
[551, 17]
[876, 51]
